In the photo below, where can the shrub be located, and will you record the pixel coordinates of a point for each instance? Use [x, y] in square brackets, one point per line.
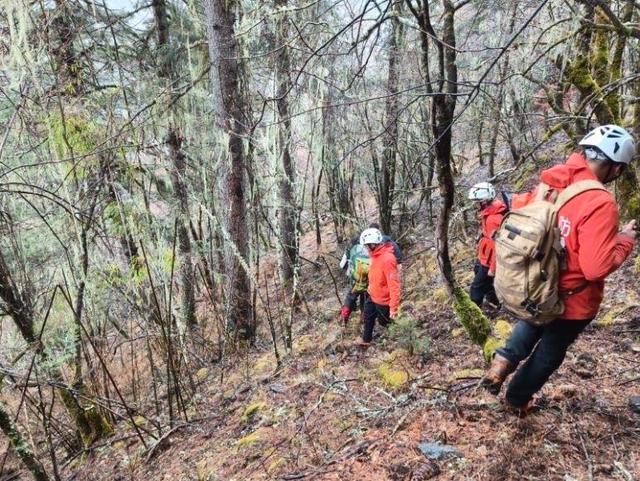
[405, 331]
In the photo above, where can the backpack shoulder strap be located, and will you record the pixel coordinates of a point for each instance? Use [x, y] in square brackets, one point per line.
[576, 189]
[542, 191]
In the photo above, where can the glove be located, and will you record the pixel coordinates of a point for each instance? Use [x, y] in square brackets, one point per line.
[491, 273]
[393, 314]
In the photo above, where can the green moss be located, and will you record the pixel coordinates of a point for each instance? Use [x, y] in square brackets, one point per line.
[502, 329]
[251, 410]
[501, 332]
[610, 317]
[248, 440]
[457, 332]
[491, 345]
[71, 136]
[303, 344]
[529, 169]
[471, 317]
[579, 74]
[89, 421]
[392, 378]
[440, 296]
[202, 374]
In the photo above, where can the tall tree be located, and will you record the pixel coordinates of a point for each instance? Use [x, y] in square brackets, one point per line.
[230, 111]
[167, 74]
[386, 182]
[287, 207]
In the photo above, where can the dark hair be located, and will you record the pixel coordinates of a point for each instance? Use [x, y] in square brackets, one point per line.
[374, 225]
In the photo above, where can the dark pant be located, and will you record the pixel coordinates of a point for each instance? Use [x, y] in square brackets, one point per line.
[482, 286]
[373, 312]
[546, 347]
[352, 299]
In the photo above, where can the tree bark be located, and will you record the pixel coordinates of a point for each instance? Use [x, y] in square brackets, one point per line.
[167, 74]
[392, 110]
[20, 446]
[230, 108]
[286, 182]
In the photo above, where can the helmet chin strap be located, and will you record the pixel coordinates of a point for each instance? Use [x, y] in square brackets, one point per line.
[608, 177]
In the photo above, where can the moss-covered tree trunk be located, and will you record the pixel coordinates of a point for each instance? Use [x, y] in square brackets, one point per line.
[166, 72]
[288, 211]
[442, 116]
[20, 446]
[231, 118]
[595, 68]
[88, 420]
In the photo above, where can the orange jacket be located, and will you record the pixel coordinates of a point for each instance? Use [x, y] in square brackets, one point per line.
[588, 225]
[490, 219]
[384, 282]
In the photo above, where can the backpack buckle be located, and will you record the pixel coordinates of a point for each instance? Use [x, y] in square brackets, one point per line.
[531, 307]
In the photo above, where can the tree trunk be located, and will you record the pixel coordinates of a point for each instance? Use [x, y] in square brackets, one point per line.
[167, 73]
[89, 423]
[20, 446]
[443, 111]
[392, 110]
[230, 108]
[288, 209]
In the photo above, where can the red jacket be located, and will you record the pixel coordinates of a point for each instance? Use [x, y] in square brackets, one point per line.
[490, 219]
[588, 225]
[384, 282]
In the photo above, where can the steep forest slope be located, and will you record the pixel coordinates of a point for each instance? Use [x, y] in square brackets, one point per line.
[334, 412]
[179, 178]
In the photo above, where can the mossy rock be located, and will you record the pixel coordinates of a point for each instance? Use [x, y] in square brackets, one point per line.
[393, 378]
[249, 440]
[251, 410]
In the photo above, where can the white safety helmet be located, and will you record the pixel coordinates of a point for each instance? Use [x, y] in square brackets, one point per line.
[483, 191]
[371, 236]
[614, 142]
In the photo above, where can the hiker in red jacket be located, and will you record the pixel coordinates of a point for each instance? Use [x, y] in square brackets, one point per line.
[383, 299]
[593, 249]
[491, 212]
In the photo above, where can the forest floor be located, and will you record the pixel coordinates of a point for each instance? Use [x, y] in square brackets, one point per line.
[333, 412]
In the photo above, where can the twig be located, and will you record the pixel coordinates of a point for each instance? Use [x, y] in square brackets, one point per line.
[586, 455]
[162, 442]
[335, 284]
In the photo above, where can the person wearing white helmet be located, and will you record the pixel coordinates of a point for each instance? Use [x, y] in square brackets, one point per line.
[593, 248]
[491, 211]
[355, 261]
[383, 299]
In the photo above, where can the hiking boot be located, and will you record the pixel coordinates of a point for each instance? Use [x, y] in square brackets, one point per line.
[362, 343]
[498, 371]
[532, 406]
